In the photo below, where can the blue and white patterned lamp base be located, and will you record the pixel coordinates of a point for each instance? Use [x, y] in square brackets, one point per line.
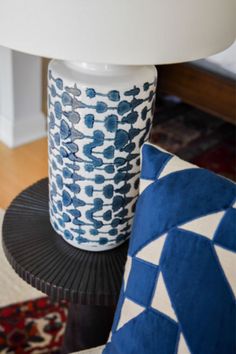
[99, 117]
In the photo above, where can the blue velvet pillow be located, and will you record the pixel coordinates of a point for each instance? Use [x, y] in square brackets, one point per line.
[178, 293]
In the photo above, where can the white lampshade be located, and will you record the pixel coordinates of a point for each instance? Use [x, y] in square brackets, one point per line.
[118, 31]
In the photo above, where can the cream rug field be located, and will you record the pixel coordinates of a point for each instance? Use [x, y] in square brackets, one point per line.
[12, 288]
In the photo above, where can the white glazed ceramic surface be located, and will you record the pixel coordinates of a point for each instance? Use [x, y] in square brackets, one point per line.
[99, 116]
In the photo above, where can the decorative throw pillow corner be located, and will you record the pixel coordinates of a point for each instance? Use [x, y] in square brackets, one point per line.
[179, 287]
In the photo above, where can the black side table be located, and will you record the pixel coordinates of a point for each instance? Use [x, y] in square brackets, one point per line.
[89, 281]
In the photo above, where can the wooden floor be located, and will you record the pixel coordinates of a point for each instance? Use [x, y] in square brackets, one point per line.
[20, 167]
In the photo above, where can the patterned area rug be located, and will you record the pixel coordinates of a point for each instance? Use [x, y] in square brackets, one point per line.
[27, 326]
[37, 326]
[195, 136]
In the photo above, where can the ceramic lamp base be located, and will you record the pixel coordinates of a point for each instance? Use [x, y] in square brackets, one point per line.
[99, 117]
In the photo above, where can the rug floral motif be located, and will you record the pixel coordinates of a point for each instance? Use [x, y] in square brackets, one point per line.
[35, 326]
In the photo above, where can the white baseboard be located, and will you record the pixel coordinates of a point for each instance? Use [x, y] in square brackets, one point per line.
[22, 131]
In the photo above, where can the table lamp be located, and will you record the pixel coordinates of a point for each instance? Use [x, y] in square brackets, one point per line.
[101, 93]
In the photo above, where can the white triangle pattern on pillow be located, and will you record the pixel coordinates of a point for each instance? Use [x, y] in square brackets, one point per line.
[152, 252]
[161, 300]
[129, 311]
[206, 225]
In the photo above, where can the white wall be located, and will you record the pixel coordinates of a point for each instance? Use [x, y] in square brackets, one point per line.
[21, 119]
[226, 59]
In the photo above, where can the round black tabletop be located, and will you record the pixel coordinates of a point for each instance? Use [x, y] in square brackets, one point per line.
[42, 258]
